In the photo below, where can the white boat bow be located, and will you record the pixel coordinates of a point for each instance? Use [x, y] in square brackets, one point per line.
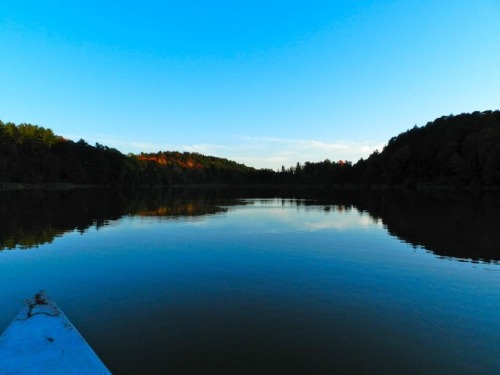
[42, 340]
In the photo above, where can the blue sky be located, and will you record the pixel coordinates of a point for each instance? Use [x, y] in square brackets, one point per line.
[265, 83]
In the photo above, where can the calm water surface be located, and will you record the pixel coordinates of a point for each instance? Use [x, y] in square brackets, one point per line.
[263, 285]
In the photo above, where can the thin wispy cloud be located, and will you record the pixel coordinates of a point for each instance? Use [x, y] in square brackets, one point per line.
[275, 152]
[318, 145]
[255, 151]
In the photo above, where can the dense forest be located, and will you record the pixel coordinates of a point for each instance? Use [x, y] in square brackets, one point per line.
[34, 155]
[460, 151]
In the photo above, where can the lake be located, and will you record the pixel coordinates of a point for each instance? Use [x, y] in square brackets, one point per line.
[261, 281]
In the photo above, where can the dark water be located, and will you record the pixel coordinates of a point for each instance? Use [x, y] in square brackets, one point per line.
[263, 282]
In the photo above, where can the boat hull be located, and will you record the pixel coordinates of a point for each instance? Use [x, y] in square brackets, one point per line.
[42, 340]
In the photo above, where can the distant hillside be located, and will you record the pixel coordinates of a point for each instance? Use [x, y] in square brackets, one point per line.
[458, 151]
[171, 167]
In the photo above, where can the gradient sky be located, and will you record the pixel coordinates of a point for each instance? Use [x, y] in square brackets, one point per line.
[265, 83]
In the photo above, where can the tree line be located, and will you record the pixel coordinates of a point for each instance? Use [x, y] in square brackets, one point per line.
[34, 155]
[461, 151]
[451, 151]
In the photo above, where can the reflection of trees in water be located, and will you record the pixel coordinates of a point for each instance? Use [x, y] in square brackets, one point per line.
[449, 224]
[32, 218]
[176, 203]
[452, 224]
[188, 209]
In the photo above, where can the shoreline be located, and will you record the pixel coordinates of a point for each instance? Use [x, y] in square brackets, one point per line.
[61, 186]
[18, 186]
